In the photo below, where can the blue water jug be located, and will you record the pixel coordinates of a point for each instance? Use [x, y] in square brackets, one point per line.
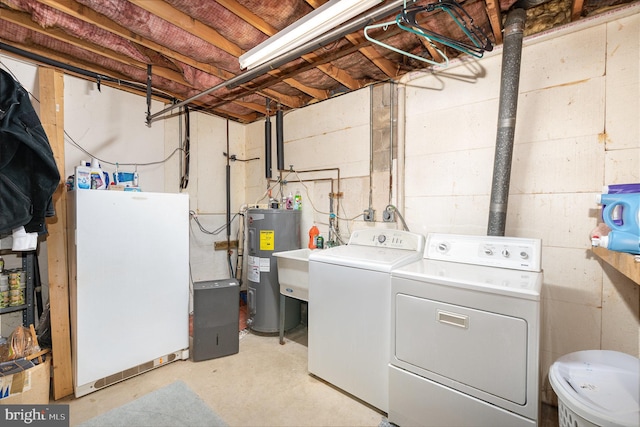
[621, 212]
[619, 241]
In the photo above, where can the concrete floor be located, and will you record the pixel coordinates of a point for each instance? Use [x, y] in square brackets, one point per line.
[265, 384]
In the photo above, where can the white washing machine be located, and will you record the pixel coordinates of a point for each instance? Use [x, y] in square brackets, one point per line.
[349, 310]
[465, 333]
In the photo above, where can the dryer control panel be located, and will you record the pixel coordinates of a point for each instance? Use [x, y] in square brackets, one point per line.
[496, 251]
[393, 239]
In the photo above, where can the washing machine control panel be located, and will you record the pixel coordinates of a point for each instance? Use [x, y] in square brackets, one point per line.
[495, 251]
[395, 239]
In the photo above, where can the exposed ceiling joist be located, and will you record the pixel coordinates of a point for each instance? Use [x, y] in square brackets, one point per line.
[193, 47]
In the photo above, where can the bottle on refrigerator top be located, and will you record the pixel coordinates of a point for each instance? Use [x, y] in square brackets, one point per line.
[83, 176]
[320, 242]
[97, 176]
[313, 234]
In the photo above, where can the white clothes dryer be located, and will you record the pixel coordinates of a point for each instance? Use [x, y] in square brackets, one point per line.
[465, 333]
[349, 305]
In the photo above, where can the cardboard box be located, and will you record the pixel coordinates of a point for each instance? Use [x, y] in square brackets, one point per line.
[34, 383]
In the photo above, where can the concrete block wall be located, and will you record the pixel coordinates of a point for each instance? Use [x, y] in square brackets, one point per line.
[207, 187]
[572, 137]
[577, 129]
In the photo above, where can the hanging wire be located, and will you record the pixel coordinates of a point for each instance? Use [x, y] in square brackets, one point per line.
[70, 139]
[102, 161]
[194, 216]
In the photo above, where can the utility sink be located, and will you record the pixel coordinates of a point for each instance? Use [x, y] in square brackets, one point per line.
[293, 273]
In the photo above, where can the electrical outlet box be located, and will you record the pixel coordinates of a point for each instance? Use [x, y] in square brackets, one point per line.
[369, 215]
[388, 216]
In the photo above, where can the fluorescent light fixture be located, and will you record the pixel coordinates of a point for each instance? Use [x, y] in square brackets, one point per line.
[323, 19]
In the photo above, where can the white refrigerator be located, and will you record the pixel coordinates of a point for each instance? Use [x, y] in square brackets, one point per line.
[128, 284]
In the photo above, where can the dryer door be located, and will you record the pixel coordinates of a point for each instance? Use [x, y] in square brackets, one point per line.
[478, 349]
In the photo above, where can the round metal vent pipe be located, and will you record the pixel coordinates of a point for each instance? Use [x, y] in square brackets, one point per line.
[509, 84]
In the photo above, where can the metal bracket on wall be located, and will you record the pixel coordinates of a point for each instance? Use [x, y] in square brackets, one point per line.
[223, 245]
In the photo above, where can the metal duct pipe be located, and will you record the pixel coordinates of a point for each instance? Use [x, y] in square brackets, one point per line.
[510, 80]
[280, 139]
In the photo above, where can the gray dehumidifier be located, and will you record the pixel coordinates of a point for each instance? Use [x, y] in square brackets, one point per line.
[216, 310]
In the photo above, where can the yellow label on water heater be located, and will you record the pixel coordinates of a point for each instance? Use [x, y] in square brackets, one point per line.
[267, 240]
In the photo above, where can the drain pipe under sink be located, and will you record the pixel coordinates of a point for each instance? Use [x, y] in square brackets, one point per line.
[510, 80]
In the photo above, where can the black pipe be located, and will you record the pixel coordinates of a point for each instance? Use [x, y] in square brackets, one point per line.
[98, 77]
[149, 86]
[228, 179]
[267, 148]
[280, 139]
[510, 81]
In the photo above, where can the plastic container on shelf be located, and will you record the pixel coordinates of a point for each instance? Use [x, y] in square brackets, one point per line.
[621, 212]
[618, 241]
[621, 188]
[597, 388]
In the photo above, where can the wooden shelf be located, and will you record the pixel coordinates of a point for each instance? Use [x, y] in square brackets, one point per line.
[623, 262]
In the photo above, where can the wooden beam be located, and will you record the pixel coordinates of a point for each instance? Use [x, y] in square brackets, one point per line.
[576, 10]
[51, 87]
[84, 13]
[252, 106]
[208, 34]
[24, 20]
[341, 76]
[264, 27]
[493, 11]
[390, 68]
[289, 101]
[245, 14]
[77, 10]
[432, 50]
[319, 94]
[188, 24]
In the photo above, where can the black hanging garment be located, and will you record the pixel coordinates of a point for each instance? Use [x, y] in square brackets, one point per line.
[28, 172]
